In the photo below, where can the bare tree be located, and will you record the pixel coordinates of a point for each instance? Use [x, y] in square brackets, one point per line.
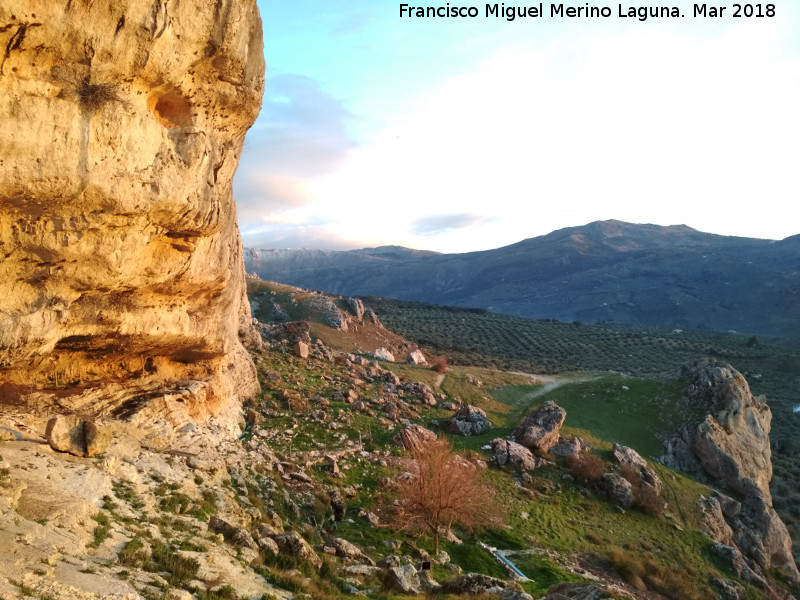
[441, 489]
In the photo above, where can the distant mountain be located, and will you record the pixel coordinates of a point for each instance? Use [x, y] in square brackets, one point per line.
[606, 270]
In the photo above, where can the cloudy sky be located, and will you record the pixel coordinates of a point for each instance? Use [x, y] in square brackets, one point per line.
[473, 133]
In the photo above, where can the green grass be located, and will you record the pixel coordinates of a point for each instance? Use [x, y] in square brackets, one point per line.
[102, 531]
[631, 417]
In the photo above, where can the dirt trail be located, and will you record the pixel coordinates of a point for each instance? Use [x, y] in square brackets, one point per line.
[551, 383]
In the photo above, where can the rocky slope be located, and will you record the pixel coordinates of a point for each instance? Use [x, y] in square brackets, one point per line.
[608, 270]
[121, 277]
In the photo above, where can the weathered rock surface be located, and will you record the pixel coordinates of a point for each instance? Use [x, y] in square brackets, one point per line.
[566, 448]
[68, 433]
[579, 591]
[540, 430]
[403, 579]
[416, 358]
[121, 258]
[468, 420]
[618, 489]
[628, 458]
[513, 455]
[728, 442]
[293, 544]
[414, 436]
[384, 354]
[476, 583]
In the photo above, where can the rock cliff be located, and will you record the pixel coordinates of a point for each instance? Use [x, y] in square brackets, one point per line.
[121, 276]
[728, 443]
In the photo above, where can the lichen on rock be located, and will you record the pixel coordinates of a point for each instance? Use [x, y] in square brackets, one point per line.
[120, 256]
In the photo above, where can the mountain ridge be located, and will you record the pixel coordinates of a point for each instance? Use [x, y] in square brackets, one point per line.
[606, 270]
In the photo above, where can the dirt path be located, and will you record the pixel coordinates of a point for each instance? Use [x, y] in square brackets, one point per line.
[552, 383]
[437, 383]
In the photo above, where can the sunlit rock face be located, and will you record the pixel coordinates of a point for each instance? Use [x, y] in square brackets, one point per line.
[120, 257]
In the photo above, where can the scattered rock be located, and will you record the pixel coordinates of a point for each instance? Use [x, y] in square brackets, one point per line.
[568, 447]
[402, 579]
[729, 589]
[293, 544]
[269, 545]
[578, 591]
[469, 420]
[628, 458]
[513, 455]
[414, 436]
[540, 430]
[416, 358]
[389, 561]
[363, 570]
[383, 354]
[300, 349]
[350, 551]
[738, 564]
[618, 489]
[476, 583]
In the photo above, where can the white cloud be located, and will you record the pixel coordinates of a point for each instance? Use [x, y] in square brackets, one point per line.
[646, 124]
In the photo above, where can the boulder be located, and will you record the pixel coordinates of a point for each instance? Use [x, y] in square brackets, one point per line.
[631, 460]
[414, 436]
[68, 433]
[301, 349]
[383, 354]
[540, 430]
[469, 420]
[391, 560]
[350, 551]
[268, 545]
[402, 579]
[416, 358]
[618, 489]
[515, 456]
[236, 536]
[293, 544]
[568, 447]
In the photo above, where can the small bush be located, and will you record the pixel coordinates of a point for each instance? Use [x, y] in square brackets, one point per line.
[586, 467]
[439, 364]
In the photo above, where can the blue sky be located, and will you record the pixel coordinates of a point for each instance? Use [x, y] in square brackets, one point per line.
[467, 134]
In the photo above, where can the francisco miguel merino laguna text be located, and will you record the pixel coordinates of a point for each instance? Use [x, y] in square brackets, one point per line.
[642, 13]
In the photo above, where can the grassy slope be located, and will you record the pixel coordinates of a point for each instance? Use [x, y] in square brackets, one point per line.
[771, 366]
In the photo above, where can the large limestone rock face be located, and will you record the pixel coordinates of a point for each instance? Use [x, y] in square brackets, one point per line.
[120, 258]
[729, 444]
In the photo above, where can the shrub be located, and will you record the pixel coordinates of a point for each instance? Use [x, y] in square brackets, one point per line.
[439, 364]
[586, 467]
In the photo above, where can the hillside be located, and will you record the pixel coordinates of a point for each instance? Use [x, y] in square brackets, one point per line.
[300, 506]
[609, 270]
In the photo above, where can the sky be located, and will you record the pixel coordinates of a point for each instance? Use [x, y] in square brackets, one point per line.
[461, 134]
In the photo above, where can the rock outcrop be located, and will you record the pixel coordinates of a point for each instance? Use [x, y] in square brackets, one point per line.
[728, 443]
[120, 258]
